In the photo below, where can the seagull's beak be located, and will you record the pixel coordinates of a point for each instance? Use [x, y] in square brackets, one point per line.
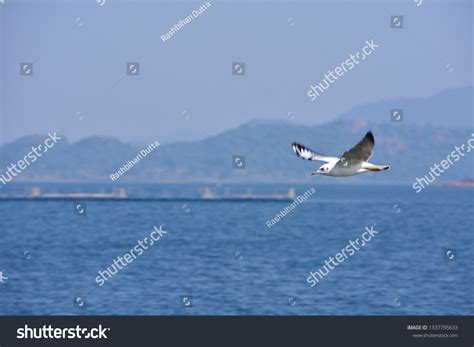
[315, 173]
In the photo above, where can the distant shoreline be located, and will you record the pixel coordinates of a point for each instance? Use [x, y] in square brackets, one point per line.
[464, 183]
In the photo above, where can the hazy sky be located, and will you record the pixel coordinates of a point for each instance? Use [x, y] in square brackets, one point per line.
[80, 50]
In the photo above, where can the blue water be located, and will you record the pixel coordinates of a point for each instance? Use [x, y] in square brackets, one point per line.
[224, 256]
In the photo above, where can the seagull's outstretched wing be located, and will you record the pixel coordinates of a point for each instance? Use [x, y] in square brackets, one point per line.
[360, 152]
[308, 154]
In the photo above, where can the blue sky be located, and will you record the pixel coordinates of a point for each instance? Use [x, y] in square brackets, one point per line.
[80, 50]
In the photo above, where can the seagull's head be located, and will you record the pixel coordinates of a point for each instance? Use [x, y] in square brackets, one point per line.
[323, 170]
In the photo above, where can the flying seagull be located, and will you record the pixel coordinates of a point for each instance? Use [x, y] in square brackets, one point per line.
[352, 162]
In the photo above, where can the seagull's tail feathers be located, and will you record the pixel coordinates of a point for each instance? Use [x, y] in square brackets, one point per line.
[377, 167]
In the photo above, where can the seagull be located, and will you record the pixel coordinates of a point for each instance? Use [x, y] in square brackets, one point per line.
[352, 162]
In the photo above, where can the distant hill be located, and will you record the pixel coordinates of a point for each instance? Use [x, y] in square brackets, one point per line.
[452, 108]
[410, 150]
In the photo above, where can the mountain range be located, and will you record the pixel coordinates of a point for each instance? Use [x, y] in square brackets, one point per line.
[430, 129]
[452, 108]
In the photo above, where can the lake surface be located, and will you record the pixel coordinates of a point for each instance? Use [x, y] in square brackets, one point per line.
[224, 259]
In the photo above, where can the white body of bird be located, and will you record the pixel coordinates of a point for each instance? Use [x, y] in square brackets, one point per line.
[352, 162]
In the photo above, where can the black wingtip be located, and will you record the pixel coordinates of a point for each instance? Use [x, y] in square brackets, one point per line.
[295, 146]
[370, 136]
